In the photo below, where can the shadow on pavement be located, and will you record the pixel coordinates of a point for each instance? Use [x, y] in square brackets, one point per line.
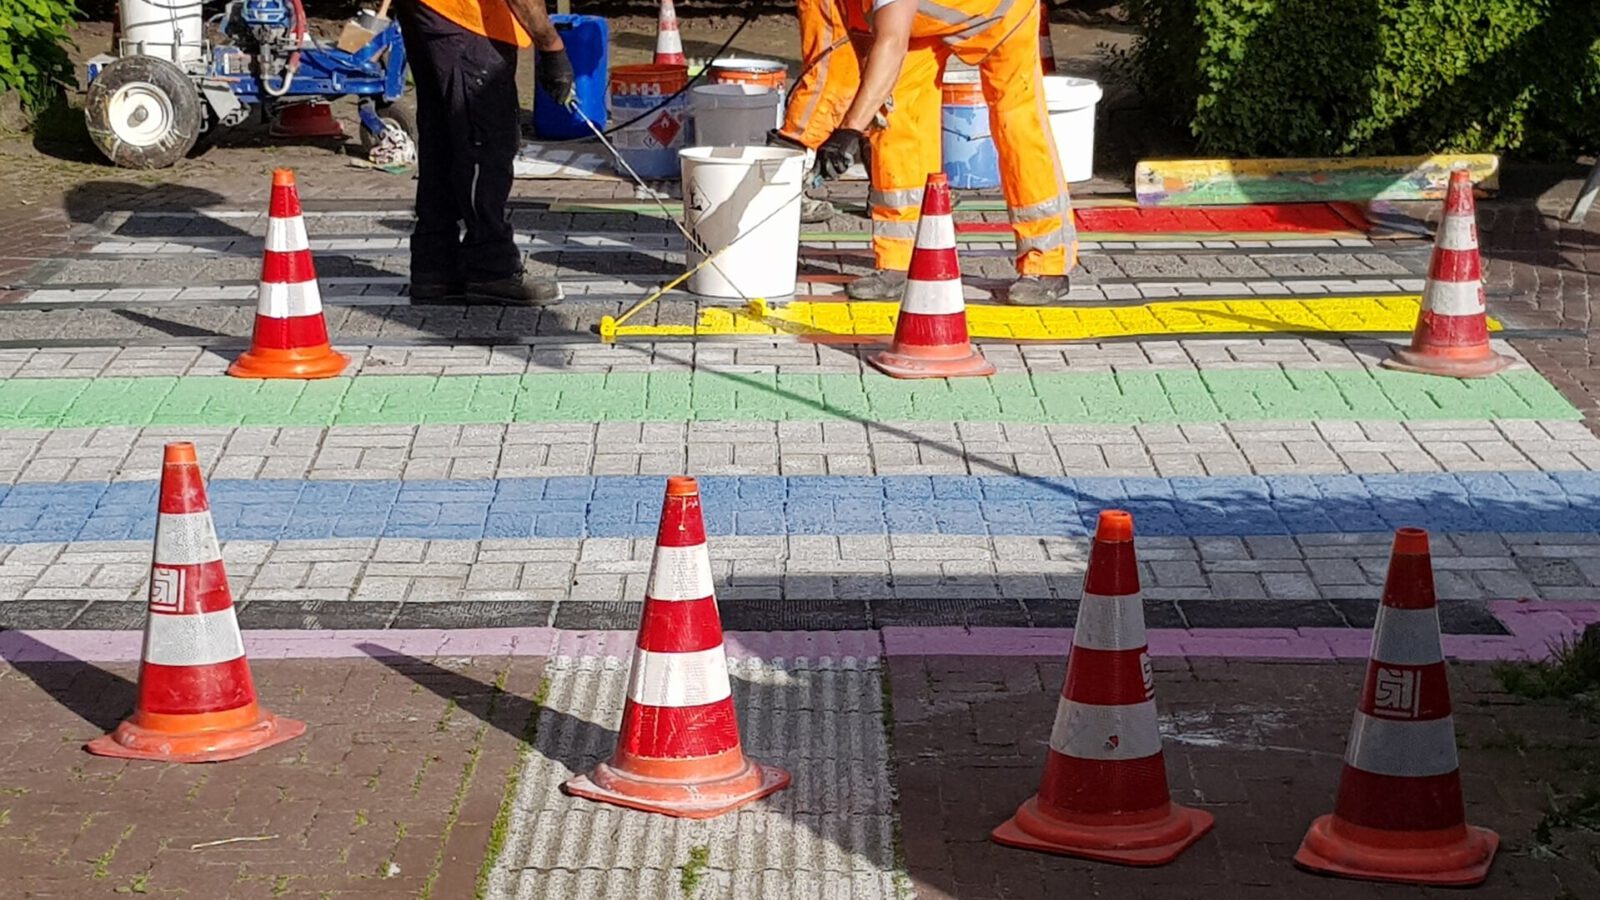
[95, 695]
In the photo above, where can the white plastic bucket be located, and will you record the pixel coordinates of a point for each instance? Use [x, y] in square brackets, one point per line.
[1071, 102]
[732, 115]
[751, 194]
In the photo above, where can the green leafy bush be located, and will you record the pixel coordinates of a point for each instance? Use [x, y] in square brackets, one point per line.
[1336, 77]
[33, 55]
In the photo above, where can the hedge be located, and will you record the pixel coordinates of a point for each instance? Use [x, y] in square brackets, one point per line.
[33, 55]
[1340, 77]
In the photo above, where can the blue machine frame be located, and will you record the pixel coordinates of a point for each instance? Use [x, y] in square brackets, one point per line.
[330, 72]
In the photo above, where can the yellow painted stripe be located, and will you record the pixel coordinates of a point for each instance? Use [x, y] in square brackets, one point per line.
[824, 319]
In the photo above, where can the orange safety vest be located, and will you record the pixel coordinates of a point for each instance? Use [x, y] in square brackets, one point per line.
[953, 20]
[490, 18]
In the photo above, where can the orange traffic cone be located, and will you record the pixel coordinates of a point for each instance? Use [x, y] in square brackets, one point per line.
[291, 335]
[930, 335]
[1104, 792]
[1452, 334]
[669, 44]
[1047, 49]
[197, 702]
[1399, 815]
[678, 752]
[311, 119]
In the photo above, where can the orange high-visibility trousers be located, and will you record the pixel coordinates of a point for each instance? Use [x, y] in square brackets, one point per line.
[1000, 38]
[831, 73]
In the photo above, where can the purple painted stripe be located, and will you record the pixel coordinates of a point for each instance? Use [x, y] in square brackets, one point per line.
[1534, 628]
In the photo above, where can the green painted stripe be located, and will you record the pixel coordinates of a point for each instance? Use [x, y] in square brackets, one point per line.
[1160, 396]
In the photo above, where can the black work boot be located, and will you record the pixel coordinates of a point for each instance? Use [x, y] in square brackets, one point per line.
[432, 291]
[1038, 290]
[884, 284]
[521, 289]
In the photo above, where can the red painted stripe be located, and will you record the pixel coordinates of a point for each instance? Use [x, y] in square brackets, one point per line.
[934, 265]
[1106, 677]
[936, 196]
[1288, 218]
[205, 589]
[1409, 584]
[285, 202]
[291, 333]
[1102, 787]
[1408, 693]
[288, 267]
[681, 523]
[1456, 265]
[684, 732]
[1400, 804]
[1458, 197]
[1434, 330]
[672, 626]
[195, 689]
[918, 330]
[1113, 569]
[182, 490]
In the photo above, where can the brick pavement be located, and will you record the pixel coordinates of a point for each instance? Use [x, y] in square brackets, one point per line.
[1257, 744]
[393, 792]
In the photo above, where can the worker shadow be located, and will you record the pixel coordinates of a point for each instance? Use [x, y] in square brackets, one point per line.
[101, 698]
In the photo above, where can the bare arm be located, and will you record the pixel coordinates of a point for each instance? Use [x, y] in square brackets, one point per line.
[891, 35]
[535, 20]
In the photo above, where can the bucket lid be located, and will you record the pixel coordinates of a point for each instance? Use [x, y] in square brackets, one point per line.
[755, 65]
[1071, 92]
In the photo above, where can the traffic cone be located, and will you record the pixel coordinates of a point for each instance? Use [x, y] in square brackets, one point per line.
[1047, 49]
[678, 751]
[1399, 815]
[669, 45]
[930, 335]
[197, 702]
[312, 119]
[1452, 334]
[291, 335]
[1104, 792]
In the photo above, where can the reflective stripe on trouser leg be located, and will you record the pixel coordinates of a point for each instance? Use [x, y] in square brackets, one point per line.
[831, 76]
[905, 153]
[1030, 169]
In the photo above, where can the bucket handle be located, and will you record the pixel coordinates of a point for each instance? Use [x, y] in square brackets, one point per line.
[974, 136]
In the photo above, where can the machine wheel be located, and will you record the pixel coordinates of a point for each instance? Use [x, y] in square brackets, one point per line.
[399, 114]
[143, 112]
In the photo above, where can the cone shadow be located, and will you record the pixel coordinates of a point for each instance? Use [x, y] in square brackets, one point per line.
[95, 695]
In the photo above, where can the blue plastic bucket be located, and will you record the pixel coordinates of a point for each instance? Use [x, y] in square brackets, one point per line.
[970, 159]
[588, 40]
[651, 144]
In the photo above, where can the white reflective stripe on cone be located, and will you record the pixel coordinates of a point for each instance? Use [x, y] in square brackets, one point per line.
[1454, 298]
[1088, 731]
[679, 679]
[201, 639]
[1457, 233]
[680, 573]
[933, 298]
[284, 301]
[1407, 637]
[287, 235]
[1110, 623]
[186, 539]
[1402, 748]
[937, 233]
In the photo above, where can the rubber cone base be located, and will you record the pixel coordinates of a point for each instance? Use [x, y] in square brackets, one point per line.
[132, 741]
[1463, 863]
[1406, 360]
[1146, 844]
[686, 800]
[303, 363]
[899, 365]
[307, 121]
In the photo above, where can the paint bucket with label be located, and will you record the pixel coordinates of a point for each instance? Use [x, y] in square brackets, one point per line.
[651, 144]
[749, 198]
[1071, 103]
[970, 159]
[764, 72]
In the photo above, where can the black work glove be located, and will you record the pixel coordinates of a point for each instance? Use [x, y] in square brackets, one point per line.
[839, 152]
[776, 138]
[553, 72]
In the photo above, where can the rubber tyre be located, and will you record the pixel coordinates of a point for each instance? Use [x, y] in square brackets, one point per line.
[164, 87]
[400, 113]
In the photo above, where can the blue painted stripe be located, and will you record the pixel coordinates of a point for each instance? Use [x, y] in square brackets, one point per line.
[628, 506]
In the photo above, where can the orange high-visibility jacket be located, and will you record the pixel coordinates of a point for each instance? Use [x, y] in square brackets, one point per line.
[490, 18]
[830, 75]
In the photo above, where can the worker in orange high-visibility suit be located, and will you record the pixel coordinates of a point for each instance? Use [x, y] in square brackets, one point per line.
[911, 40]
[830, 75]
